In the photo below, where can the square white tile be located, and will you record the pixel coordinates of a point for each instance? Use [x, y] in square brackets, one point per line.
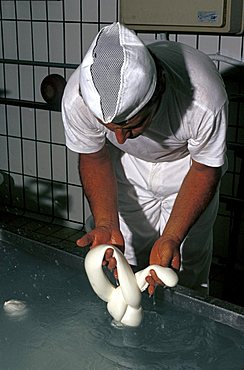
[55, 10]
[8, 9]
[15, 155]
[57, 128]
[108, 10]
[73, 171]
[29, 157]
[38, 10]
[12, 81]
[56, 42]
[3, 153]
[3, 130]
[76, 213]
[26, 83]
[73, 43]
[90, 10]
[44, 165]
[10, 42]
[13, 121]
[59, 163]
[25, 38]
[43, 125]
[72, 10]
[40, 41]
[23, 9]
[28, 123]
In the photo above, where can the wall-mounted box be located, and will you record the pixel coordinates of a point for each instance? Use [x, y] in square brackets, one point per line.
[196, 16]
[242, 22]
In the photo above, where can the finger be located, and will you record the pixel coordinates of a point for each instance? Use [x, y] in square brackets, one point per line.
[112, 263]
[84, 241]
[116, 273]
[151, 290]
[150, 280]
[175, 264]
[156, 278]
[108, 254]
[151, 285]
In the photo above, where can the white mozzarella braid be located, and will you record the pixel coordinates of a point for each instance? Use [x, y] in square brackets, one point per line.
[124, 301]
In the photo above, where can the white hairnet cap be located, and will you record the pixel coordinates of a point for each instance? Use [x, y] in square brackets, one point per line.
[117, 75]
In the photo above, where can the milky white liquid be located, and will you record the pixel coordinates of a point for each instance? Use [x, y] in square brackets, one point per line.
[66, 326]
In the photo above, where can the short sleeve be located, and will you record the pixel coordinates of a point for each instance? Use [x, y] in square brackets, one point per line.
[82, 132]
[207, 144]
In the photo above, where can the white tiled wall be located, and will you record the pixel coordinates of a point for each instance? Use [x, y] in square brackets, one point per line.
[42, 173]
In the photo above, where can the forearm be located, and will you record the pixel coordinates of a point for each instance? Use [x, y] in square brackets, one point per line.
[100, 187]
[196, 192]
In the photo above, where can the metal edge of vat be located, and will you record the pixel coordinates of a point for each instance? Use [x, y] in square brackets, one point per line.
[210, 307]
[207, 306]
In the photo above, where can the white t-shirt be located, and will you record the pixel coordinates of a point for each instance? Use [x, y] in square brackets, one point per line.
[192, 116]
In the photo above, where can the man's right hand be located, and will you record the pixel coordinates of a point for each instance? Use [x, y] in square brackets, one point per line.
[166, 253]
[104, 235]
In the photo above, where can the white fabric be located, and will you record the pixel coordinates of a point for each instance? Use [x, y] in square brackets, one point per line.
[191, 118]
[136, 73]
[151, 189]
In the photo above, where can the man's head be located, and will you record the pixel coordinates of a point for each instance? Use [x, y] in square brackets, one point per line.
[118, 75]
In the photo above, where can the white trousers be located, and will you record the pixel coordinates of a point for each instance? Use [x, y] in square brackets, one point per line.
[147, 192]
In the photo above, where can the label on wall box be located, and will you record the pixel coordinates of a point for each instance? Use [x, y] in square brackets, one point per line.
[207, 16]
